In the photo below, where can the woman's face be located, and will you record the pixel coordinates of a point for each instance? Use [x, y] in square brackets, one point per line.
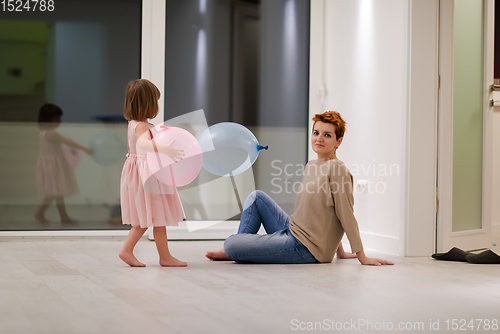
[323, 139]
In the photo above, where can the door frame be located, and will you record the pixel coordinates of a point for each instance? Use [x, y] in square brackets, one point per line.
[477, 238]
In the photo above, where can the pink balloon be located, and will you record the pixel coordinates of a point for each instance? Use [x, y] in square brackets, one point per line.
[73, 155]
[182, 172]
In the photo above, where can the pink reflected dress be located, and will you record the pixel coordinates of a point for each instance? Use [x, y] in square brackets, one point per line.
[153, 205]
[54, 176]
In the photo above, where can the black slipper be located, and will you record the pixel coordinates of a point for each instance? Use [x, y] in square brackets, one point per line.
[454, 254]
[486, 257]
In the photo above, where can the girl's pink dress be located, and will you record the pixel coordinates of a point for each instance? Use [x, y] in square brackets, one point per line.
[141, 207]
[54, 175]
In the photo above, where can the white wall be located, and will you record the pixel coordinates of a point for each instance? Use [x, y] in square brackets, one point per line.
[375, 62]
[366, 48]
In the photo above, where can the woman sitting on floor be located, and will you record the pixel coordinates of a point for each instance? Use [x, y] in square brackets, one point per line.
[323, 212]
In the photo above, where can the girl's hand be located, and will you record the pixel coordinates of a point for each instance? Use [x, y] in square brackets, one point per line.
[374, 262]
[88, 151]
[174, 153]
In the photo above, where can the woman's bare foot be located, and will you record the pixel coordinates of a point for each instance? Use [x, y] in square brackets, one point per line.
[217, 255]
[172, 262]
[130, 259]
[41, 219]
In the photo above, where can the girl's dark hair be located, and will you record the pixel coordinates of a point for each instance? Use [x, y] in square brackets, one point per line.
[47, 112]
[141, 100]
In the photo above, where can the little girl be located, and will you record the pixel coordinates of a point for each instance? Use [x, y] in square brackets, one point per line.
[54, 176]
[142, 208]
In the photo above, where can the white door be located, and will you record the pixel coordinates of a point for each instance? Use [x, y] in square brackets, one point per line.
[464, 188]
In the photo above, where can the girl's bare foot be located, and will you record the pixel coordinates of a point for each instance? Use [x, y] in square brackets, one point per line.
[172, 262]
[217, 255]
[41, 219]
[130, 259]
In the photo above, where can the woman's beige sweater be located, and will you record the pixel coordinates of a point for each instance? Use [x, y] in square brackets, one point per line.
[324, 209]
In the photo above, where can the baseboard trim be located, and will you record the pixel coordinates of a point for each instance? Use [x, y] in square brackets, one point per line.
[381, 243]
[186, 231]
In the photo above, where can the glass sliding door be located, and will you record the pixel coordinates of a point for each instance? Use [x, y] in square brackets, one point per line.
[79, 59]
[245, 62]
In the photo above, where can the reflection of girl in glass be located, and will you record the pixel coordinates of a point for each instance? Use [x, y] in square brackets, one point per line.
[54, 176]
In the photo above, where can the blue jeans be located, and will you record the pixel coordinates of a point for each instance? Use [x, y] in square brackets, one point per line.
[277, 246]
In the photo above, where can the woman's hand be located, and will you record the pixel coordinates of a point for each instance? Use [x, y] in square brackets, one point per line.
[174, 153]
[341, 254]
[363, 259]
[374, 262]
[88, 151]
[346, 255]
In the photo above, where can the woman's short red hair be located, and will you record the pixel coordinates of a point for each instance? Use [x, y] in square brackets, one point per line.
[334, 118]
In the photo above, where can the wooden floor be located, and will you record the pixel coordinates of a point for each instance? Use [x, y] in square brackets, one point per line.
[80, 286]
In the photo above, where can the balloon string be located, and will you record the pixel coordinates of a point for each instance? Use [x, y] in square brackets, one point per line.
[236, 192]
[159, 161]
[172, 175]
[156, 150]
